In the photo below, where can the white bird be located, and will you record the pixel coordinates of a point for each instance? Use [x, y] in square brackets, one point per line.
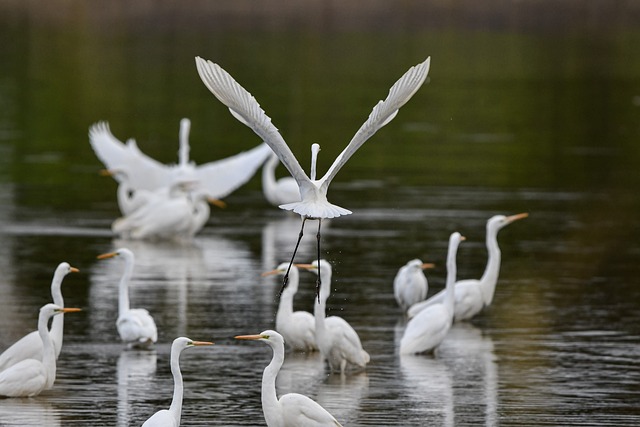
[30, 346]
[473, 295]
[171, 417]
[313, 202]
[140, 172]
[410, 284]
[135, 325]
[30, 377]
[280, 191]
[427, 330]
[291, 409]
[297, 327]
[338, 342]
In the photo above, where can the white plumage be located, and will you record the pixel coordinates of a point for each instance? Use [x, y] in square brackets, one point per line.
[410, 284]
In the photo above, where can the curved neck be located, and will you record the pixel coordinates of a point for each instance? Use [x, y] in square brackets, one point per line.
[48, 352]
[320, 305]
[285, 308]
[451, 278]
[57, 324]
[123, 287]
[270, 402]
[178, 388]
[315, 148]
[491, 272]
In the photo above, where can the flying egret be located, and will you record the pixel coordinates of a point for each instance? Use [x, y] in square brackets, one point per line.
[297, 327]
[30, 346]
[280, 191]
[427, 330]
[473, 295]
[291, 409]
[410, 284]
[140, 172]
[171, 417]
[135, 325]
[313, 202]
[338, 342]
[29, 377]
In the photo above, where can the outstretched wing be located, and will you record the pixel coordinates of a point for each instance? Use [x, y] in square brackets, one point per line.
[245, 108]
[382, 114]
[140, 170]
[222, 177]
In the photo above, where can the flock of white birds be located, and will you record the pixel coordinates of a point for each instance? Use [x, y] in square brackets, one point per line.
[172, 202]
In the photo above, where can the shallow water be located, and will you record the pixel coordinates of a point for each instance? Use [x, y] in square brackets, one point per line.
[519, 115]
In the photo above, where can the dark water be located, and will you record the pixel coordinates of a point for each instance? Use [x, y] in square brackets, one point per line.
[528, 108]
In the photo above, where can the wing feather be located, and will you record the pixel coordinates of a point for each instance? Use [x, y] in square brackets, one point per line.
[245, 108]
[382, 114]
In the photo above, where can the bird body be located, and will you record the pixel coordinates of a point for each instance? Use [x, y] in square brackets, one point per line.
[171, 417]
[471, 295]
[410, 285]
[292, 409]
[281, 191]
[426, 331]
[338, 342]
[30, 377]
[30, 346]
[297, 327]
[135, 326]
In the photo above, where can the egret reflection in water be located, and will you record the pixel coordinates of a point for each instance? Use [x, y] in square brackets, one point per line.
[136, 372]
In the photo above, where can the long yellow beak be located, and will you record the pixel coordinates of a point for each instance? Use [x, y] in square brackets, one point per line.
[248, 337]
[217, 202]
[270, 273]
[107, 255]
[517, 216]
[427, 265]
[305, 266]
[70, 310]
[201, 343]
[106, 172]
[74, 270]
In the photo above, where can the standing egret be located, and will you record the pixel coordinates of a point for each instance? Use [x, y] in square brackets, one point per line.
[281, 191]
[171, 417]
[410, 284]
[427, 330]
[138, 171]
[297, 327]
[30, 346]
[313, 202]
[473, 295]
[338, 342]
[29, 377]
[291, 409]
[135, 325]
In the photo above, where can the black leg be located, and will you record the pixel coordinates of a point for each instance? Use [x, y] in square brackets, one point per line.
[286, 276]
[318, 279]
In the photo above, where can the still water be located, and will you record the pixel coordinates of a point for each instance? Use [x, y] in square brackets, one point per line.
[526, 110]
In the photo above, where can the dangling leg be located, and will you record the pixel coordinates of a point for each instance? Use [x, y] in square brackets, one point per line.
[286, 276]
[318, 280]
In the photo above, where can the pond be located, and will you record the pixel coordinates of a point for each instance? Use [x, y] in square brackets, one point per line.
[526, 109]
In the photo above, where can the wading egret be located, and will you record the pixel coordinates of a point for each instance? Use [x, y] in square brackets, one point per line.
[281, 191]
[313, 202]
[30, 377]
[473, 295]
[291, 409]
[171, 417]
[427, 330]
[30, 346]
[297, 327]
[217, 179]
[338, 342]
[410, 284]
[135, 325]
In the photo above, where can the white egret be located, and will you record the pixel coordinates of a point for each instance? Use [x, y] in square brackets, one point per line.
[291, 409]
[473, 295]
[313, 202]
[280, 191]
[30, 346]
[410, 284]
[338, 342]
[171, 417]
[427, 330]
[29, 377]
[135, 325]
[297, 327]
[139, 173]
